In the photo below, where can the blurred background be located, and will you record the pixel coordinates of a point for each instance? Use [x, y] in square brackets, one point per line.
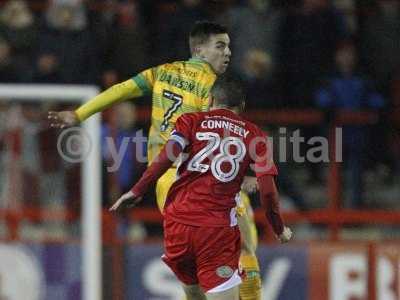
[308, 65]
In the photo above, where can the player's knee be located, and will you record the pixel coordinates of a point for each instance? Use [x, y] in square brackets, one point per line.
[193, 292]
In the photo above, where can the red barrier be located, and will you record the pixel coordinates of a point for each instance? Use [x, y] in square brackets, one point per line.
[333, 216]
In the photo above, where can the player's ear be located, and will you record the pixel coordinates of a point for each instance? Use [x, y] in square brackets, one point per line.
[199, 51]
[195, 50]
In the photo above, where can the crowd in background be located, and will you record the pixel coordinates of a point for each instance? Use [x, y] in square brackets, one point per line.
[327, 55]
[281, 49]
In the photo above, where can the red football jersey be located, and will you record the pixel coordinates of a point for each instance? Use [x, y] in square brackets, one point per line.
[219, 147]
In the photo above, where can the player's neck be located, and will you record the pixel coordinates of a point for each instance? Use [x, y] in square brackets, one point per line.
[232, 109]
[204, 61]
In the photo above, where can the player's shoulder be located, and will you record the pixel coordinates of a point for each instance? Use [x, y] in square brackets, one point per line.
[190, 70]
[167, 67]
[192, 117]
[179, 64]
[254, 129]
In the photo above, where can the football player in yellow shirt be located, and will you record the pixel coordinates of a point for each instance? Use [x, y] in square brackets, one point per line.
[177, 88]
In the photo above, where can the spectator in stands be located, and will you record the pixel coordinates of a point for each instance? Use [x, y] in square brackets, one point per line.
[289, 187]
[17, 26]
[350, 13]
[65, 35]
[379, 41]
[309, 36]
[128, 46]
[347, 90]
[121, 136]
[254, 25]
[39, 161]
[174, 28]
[109, 77]
[10, 71]
[394, 133]
[11, 195]
[258, 80]
[47, 69]
[121, 129]
[30, 184]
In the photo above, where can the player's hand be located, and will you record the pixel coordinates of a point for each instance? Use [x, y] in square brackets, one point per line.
[62, 119]
[286, 235]
[127, 200]
[250, 184]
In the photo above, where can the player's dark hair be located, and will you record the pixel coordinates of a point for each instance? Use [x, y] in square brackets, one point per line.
[201, 32]
[228, 92]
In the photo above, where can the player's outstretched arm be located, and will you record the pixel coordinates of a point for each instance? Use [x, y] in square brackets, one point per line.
[270, 201]
[113, 95]
[158, 167]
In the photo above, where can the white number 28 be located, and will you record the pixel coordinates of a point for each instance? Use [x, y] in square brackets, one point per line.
[224, 155]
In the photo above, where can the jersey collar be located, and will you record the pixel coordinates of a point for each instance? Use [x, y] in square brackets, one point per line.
[203, 63]
[224, 109]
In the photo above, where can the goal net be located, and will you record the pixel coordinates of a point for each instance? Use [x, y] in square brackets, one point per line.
[36, 171]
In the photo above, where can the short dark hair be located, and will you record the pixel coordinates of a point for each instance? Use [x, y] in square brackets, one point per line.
[228, 92]
[201, 32]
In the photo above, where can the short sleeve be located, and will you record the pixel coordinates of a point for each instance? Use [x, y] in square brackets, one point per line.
[182, 130]
[145, 80]
[262, 156]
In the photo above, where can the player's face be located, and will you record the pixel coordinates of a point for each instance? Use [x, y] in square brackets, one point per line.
[216, 52]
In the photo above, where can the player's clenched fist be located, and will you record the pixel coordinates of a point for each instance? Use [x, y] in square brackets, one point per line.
[250, 184]
[62, 119]
[286, 235]
[127, 200]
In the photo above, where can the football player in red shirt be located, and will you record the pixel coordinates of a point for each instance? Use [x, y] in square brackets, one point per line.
[201, 236]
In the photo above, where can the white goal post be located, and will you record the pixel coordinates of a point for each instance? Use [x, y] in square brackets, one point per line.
[90, 174]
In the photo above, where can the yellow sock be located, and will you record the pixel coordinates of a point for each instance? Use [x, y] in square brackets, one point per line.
[250, 289]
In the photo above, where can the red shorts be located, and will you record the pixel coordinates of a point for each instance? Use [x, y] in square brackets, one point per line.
[207, 256]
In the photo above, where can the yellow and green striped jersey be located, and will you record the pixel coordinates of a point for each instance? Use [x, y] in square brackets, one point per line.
[176, 88]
